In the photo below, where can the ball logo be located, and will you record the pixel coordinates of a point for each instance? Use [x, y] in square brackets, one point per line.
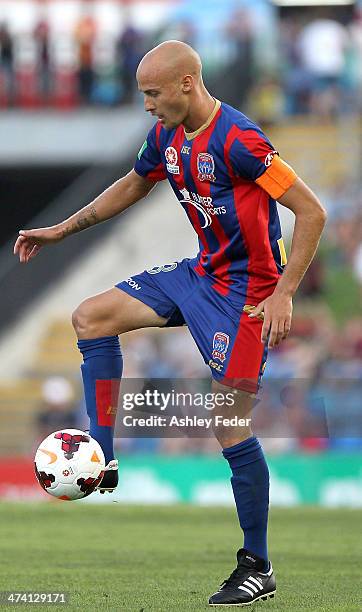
[206, 167]
[220, 346]
[171, 160]
[269, 158]
[70, 443]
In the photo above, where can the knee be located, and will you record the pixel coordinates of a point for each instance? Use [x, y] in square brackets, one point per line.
[83, 319]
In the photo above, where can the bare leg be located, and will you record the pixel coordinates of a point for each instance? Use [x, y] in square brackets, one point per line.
[112, 313]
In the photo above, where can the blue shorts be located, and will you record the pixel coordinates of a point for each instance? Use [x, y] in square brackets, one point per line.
[227, 338]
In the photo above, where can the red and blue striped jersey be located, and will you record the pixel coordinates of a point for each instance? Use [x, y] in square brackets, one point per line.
[227, 176]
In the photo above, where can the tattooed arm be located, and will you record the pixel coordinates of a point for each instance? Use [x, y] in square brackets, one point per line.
[81, 220]
[119, 196]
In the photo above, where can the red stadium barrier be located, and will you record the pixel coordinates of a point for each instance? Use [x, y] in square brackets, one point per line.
[18, 481]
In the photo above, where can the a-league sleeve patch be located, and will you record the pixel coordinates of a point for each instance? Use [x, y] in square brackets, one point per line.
[149, 163]
[144, 146]
[277, 178]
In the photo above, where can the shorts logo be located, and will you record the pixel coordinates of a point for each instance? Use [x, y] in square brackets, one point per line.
[171, 161]
[206, 167]
[269, 158]
[132, 283]
[220, 345]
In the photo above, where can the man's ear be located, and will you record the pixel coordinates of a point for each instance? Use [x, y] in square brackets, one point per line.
[187, 83]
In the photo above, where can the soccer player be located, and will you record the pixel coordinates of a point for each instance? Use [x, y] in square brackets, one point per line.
[234, 296]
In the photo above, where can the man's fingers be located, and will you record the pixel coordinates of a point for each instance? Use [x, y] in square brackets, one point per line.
[34, 251]
[265, 330]
[273, 334]
[19, 241]
[26, 248]
[277, 333]
[22, 252]
[277, 319]
[257, 311]
[286, 329]
[27, 245]
[20, 246]
[280, 332]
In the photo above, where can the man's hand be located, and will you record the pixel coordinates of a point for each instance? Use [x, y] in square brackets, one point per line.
[277, 309]
[29, 242]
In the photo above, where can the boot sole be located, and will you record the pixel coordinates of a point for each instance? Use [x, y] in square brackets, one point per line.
[247, 603]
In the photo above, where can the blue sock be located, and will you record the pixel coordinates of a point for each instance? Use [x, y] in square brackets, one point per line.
[101, 372]
[250, 483]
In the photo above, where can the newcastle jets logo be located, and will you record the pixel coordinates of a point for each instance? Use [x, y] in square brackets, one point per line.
[171, 161]
[206, 167]
[220, 346]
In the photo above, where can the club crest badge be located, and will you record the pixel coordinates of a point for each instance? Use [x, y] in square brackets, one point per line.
[171, 161]
[220, 346]
[206, 167]
[269, 158]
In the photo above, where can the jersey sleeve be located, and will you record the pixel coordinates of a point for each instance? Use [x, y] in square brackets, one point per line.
[148, 163]
[253, 157]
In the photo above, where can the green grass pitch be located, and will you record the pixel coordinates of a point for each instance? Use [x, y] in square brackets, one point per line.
[145, 559]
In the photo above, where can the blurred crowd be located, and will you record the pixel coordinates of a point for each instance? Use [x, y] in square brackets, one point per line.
[338, 264]
[39, 70]
[311, 63]
[319, 68]
[344, 233]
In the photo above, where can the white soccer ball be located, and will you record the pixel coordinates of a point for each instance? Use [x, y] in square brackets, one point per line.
[69, 464]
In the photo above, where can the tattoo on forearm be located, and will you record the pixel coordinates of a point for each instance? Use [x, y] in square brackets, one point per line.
[85, 220]
[93, 212]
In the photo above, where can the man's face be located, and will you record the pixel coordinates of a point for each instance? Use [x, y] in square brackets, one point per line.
[165, 100]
